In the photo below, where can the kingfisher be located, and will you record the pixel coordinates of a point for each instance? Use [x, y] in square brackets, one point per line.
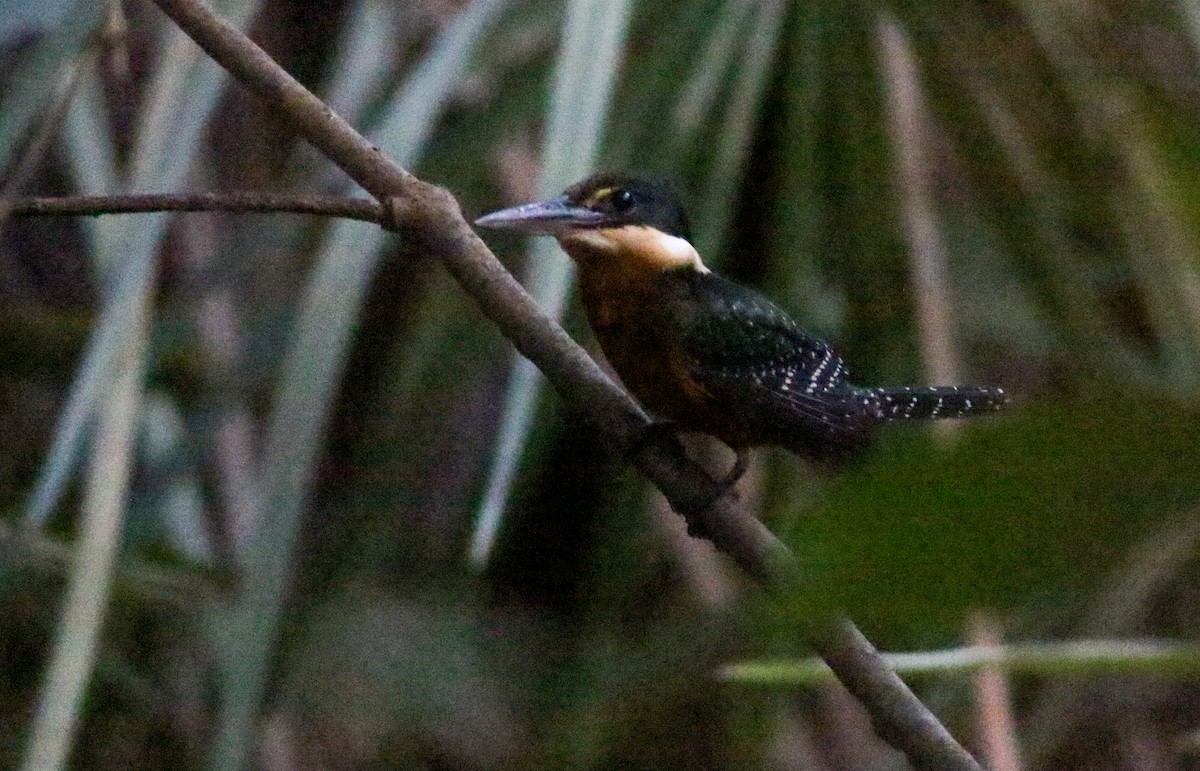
[702, 352]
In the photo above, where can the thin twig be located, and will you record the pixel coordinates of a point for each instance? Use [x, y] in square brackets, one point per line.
[1064, 659]
[432, 216]
[242, 202]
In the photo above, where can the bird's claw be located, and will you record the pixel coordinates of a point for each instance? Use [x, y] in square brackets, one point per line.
[670, 431]
[740, 464]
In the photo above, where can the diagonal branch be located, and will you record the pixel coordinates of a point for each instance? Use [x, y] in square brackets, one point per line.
[432, 216]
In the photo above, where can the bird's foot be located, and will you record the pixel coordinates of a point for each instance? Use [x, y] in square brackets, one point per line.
[740, 464]
[670, 431]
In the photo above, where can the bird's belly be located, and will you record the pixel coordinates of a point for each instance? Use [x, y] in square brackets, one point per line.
[645, 370]
[660, 379]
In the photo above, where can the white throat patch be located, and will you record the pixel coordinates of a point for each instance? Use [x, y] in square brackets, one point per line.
[641, 244]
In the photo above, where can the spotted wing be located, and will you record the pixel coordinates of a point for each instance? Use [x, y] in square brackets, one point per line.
[786, 386]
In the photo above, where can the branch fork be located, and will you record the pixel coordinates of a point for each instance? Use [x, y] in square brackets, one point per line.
[431, 215]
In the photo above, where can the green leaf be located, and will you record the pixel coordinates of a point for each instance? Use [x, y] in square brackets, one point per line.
[593, 37]
[113, 369]
[305, 392]
[920, 535]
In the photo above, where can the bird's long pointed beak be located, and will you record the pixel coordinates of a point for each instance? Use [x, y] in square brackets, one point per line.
[542, 218]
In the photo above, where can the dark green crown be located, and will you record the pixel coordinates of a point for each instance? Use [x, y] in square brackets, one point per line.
[632, 199]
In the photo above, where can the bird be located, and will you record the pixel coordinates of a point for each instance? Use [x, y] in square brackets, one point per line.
[703, 353]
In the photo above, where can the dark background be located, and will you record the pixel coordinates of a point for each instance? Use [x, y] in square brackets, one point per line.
[322, 405]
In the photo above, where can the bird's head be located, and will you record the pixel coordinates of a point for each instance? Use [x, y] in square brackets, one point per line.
[634, 218]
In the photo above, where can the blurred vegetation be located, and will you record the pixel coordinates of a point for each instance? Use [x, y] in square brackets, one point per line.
[311, 412]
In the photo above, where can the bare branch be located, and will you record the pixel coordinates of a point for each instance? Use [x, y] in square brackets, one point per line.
[243, 202]
[431, 215]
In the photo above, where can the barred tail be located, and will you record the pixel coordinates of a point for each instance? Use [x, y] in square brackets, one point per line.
[927, 403]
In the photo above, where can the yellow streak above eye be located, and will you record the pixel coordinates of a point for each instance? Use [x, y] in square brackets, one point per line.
[598, 195]
[633, 245]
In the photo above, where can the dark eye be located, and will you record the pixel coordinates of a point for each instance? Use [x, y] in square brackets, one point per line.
[622, 201]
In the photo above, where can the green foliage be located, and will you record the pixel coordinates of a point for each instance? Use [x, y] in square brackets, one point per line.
[922, 534]
[323, 403]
